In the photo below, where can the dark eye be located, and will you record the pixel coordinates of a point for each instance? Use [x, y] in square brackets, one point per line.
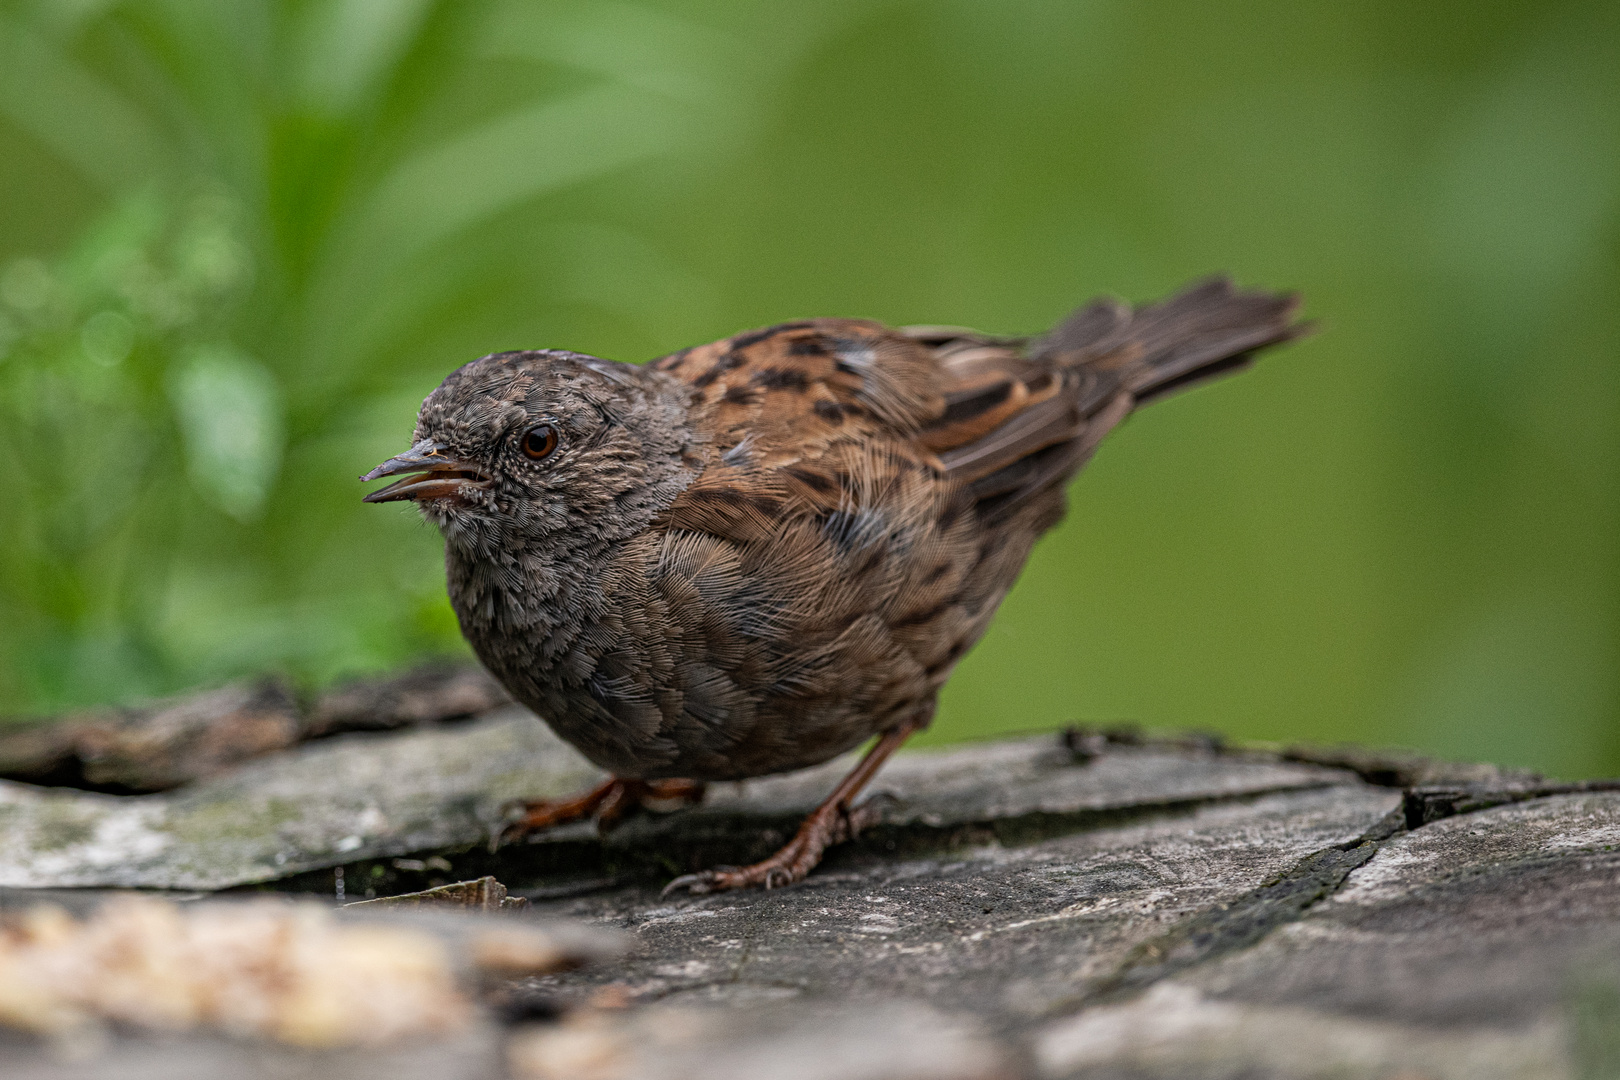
[539, 441]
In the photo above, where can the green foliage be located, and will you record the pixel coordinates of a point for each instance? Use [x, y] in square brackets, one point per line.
[95, 347]
[239, 242]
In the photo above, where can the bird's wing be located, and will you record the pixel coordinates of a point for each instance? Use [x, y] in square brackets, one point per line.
[852, 428]
[810, 562]
[789, 391]
[816, 399]
[1016, 423]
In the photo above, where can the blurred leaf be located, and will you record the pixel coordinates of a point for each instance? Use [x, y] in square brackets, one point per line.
[634, 45]
[230, 411]
[350, 47]
[516, 157]
[77, 115]
[107, 338]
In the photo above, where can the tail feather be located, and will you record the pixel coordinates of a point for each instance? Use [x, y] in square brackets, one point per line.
[1204, 331]
[1019, 425]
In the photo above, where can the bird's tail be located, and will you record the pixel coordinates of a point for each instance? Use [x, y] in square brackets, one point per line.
[1204, 331]
[1018, 423]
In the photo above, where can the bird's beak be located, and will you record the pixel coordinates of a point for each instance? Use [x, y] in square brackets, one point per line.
[435, 476]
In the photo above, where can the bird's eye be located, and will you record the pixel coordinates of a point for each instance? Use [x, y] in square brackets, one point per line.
[539, 441]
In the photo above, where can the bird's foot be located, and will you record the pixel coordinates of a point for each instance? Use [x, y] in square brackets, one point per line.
[830, 824]
[607, 804]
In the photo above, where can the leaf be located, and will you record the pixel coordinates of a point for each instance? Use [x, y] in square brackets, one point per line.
[520, 156]
[77, 115]
[350, 47]
[229, 408]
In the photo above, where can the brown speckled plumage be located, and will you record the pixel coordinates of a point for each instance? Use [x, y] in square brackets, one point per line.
[750, 556]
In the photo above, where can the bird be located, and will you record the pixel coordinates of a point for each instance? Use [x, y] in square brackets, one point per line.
[752, 556]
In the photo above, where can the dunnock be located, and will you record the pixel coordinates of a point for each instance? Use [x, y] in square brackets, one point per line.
[751, 556]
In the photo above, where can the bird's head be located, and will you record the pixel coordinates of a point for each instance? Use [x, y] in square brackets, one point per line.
[523, 446]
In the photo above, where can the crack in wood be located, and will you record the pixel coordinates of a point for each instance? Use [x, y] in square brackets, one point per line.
[580, 864]
[1288, 896]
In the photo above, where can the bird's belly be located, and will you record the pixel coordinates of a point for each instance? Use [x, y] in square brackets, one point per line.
[773, 737]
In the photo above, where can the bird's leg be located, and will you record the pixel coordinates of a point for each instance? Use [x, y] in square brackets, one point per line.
[608, 802]
[833, 822]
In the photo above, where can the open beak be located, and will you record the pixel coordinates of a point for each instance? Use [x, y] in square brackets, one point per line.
[432, 475]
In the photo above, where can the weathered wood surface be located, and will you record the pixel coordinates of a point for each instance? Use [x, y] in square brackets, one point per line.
[164, 744]
[1040, 907]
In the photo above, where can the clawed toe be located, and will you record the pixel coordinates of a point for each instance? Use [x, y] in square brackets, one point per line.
[772, 874]
[607, 804]
[832, 823]
[716, 879]
[503, 826]
[697, 884]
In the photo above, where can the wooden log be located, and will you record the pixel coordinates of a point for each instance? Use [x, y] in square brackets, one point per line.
[1079, 904]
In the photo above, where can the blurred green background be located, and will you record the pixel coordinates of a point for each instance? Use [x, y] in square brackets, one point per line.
[239, 242]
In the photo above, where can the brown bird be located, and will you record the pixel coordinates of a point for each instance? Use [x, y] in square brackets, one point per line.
[751, 556]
